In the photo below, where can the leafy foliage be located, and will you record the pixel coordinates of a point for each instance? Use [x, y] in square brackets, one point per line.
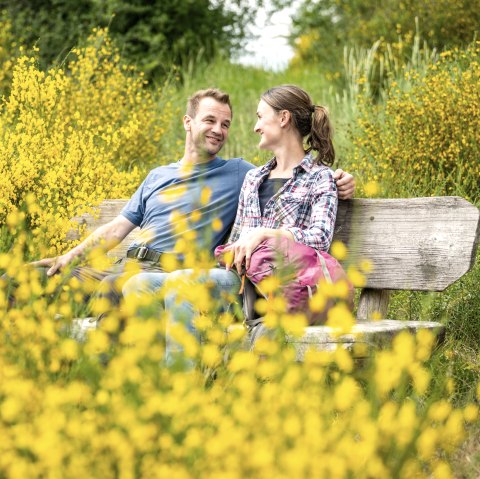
[323, 27]
[424, 139]
[73, 138]
[151, 35]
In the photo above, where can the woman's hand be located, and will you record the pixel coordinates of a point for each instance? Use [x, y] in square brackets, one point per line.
[243, 248]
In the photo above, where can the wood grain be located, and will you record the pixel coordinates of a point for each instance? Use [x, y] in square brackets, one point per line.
[413, 244]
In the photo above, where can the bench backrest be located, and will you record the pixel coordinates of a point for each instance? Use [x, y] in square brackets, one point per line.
[413, 244]
[420, 244]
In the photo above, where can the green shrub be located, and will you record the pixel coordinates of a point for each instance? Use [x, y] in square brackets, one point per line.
[151, 34]
[424, 139]
[323, 28]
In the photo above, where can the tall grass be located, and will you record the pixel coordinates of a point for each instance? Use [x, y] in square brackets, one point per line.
[245, 85]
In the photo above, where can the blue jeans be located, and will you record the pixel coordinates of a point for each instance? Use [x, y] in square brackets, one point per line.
[182, 311]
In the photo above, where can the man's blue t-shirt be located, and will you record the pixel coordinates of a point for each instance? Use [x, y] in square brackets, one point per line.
[198, 194]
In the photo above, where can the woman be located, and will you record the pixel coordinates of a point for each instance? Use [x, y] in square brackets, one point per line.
[293, 195]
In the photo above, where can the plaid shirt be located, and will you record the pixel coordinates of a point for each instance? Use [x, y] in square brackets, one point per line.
[306, 205]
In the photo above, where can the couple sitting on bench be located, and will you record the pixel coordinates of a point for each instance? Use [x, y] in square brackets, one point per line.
[292, 197]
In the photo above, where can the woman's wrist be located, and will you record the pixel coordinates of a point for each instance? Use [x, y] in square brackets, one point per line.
[272, 233]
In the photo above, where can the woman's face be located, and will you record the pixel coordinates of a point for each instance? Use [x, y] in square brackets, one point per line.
[268, 126]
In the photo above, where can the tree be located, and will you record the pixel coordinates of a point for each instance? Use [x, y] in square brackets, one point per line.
[151, 34]
[321, 28]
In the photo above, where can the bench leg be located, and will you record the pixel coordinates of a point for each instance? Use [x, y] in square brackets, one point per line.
[373, 304]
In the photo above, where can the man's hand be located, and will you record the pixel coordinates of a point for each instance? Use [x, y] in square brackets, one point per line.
[345, 184]
[109, 235]
[56, 264]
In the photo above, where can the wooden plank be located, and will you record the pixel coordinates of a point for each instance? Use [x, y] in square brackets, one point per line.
[414, 244]
[374, 335]
[106, 212]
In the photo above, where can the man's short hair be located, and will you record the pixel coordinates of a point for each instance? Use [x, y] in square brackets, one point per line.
[215, 93]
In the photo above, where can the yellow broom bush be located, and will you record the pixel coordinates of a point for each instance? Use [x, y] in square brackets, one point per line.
[73, 136]
[425, 138]
[110, 407]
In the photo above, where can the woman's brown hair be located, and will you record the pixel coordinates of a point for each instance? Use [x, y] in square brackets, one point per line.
[311, 121]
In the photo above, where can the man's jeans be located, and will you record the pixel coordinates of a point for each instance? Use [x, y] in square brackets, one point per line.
[98, 283]
[181, 311]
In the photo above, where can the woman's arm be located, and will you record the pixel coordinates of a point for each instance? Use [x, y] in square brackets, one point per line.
[243, 248]
[318, 234]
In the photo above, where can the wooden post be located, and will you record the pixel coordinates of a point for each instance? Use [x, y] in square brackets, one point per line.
[373, 302]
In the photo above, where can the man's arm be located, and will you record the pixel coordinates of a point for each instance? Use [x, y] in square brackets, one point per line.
[345, 184]
[109, 235]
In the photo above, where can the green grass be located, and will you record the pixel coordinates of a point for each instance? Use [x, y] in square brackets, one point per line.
[245, 86]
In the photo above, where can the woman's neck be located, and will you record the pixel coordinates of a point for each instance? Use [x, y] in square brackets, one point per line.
[287, 158]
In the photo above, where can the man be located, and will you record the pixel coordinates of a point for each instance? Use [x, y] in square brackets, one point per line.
[201, 189]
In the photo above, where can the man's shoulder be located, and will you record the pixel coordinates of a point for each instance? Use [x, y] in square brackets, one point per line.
[238, 163]
[162, 170]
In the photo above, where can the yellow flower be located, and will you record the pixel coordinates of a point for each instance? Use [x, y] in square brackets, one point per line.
[211, 355]
[339, 250]
[340, 319]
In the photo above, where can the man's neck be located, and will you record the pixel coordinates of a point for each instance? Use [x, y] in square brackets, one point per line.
[194, 158]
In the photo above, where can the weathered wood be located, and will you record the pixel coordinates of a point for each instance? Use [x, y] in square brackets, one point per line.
[372, 304]
[420, 244]
[373, 335]
[368, 335]
[106, 212]
[414, 244]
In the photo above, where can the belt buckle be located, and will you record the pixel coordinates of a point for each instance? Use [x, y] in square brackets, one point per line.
[142, 252]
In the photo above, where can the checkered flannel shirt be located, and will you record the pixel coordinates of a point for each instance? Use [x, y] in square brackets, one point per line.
[306, 205]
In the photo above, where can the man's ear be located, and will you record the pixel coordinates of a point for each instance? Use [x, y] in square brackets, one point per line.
[187, 120]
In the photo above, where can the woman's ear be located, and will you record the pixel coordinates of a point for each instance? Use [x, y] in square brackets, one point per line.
[285, 117]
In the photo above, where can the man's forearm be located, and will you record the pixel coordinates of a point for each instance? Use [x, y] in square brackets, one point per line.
[103, 236]
[106, 236]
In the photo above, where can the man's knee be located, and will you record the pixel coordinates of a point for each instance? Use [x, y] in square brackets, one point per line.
[143, 283]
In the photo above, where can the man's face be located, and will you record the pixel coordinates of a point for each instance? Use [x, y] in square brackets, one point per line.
[209, 128]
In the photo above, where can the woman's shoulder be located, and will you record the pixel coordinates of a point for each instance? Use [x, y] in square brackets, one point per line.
[321, 179]
[257, 171]
[321, 170]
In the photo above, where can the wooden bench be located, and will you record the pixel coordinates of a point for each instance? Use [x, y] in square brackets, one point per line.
[420, 244]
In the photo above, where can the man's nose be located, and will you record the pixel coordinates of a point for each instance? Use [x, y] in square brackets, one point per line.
[217, 128]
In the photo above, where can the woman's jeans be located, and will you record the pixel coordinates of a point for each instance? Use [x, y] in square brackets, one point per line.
[181, 311]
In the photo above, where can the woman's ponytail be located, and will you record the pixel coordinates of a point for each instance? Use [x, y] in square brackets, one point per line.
[320, 137]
